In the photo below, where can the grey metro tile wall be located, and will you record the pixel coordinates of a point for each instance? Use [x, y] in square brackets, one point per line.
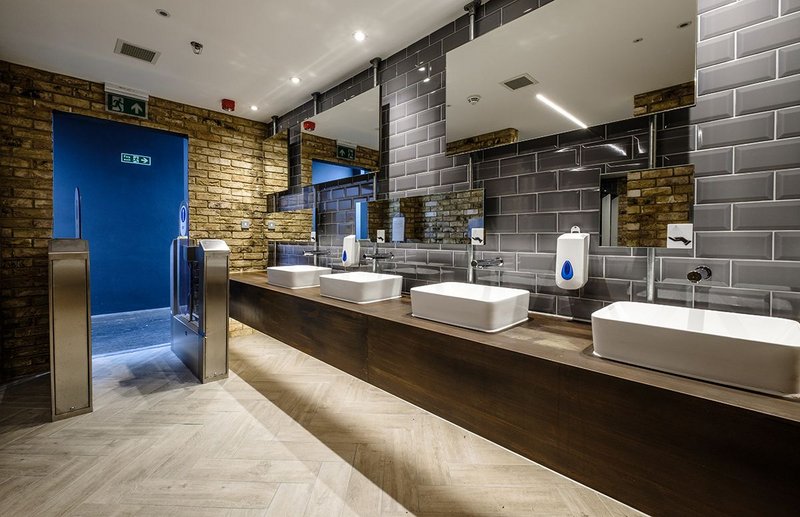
[742, 137]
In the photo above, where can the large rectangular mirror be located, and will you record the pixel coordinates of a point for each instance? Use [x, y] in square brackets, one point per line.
[567, 65]
[433, 218]
[343, 141]
[340, 143]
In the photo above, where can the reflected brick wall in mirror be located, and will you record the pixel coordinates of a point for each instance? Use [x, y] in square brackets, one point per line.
[314, 147]
[653, 199]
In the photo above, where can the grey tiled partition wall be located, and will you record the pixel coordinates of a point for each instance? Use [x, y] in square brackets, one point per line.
[743, 138]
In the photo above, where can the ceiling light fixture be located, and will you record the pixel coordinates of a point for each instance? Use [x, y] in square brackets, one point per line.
[254, 107]
[163, 12]
[552, 105]
[638, 40]
[197, 48]
[685, 24]
[359, 36]
[295, 80]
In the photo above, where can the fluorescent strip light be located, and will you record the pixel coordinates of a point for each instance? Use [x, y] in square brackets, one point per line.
[561, 110]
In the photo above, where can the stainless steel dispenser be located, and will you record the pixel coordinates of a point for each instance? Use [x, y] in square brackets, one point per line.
[199, 301]
[70, 328]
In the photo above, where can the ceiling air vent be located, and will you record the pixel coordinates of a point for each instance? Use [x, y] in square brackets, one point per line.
[521, 81]
[129, 49]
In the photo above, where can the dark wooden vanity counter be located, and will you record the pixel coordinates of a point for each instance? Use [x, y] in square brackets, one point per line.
[662, 443]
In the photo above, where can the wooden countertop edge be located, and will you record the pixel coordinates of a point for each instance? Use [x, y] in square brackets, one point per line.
[399, 311]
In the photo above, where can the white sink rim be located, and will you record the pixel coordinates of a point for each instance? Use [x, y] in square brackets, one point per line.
[757, 353]
[479, 307]
[295, 277]
[368, 287]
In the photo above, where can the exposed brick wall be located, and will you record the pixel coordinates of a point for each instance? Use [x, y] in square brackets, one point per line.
[479, 142]
[227, 183]
[672, 97]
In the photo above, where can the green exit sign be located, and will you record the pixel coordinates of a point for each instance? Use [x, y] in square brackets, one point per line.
[137, 159]
[116, 103]
[345, 153]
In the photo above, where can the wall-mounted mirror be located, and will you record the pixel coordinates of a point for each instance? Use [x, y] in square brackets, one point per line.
[433, 218]
[567, 65]
[648, 209]
[343, 141]
[339, 143]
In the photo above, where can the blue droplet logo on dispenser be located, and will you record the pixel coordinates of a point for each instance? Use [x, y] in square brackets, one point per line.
[566, 270]
[344, 256]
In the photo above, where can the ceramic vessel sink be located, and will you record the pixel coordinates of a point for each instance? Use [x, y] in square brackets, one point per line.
[296, 277]
[361, 287]
[477, 307]
[753, 352]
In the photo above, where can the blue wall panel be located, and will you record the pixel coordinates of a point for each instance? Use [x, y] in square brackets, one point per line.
[130, 211]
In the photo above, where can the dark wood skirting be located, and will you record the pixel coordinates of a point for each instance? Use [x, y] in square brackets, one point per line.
[663, 444]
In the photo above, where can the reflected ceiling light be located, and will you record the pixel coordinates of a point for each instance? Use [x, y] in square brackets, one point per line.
[254, 107]
[295, 80]
[428, 77]
[359, 36]
[421, 68]
[560, 110]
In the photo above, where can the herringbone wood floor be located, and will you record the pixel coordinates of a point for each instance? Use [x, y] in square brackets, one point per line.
[285, 435]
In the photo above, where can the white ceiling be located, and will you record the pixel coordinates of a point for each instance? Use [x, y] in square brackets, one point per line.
[251, 47]
[583, 55]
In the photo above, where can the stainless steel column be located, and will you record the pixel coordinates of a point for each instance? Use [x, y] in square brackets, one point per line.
[213, 307]
[200, 306]
[70, 328]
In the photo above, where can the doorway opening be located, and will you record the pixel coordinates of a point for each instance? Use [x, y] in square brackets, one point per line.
[130, 183]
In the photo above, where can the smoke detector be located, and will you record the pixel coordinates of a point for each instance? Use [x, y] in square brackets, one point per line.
[473, 99]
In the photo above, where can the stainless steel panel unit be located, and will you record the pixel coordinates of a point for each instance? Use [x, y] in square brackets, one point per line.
[70, 328]
[200, 306]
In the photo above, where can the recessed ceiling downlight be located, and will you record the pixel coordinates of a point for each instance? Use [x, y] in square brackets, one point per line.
[295, 80]
[163, 12]
[359, 36]
[254, 108]
[685, 24]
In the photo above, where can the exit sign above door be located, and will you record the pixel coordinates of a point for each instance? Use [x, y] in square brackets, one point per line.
[116, 103]
[345, 152]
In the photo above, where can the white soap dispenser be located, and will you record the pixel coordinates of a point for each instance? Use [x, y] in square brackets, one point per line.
[351, 251]
[572, 259]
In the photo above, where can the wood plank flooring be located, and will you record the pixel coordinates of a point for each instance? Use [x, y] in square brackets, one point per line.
[285, 435]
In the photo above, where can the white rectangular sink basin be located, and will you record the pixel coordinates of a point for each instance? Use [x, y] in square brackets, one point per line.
[296, 277]
[361, 287]
[753, 352]
[477, 307]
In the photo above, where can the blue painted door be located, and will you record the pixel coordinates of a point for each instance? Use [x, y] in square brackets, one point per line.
[129, 209]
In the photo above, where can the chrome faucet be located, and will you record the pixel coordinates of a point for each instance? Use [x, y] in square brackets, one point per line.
[482, 264]
[698, 274]
[316, 253]
[375, 256]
